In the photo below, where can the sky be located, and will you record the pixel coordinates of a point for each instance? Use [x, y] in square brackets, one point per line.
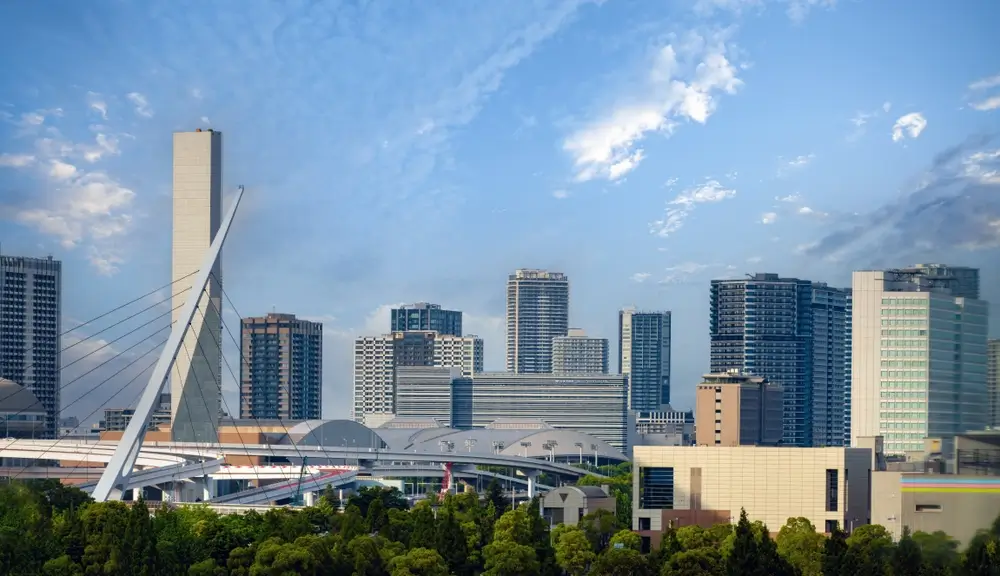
[397, 151]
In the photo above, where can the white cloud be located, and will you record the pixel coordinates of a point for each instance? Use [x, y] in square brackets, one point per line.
[754, 260]
[681, 207]
[60, 170]
[205, 120]
[861, 118]
[685, 271]
[790, 198]
[769, 218]
[991, 103]
[982, 167]
[796, 163]
[683, 84]
[16, 160]
[908, 126]
[985, 83]
[98, 104]
[196, 93]
[640, 277]
[560, 194]
[141, 104]
[798, 9]
[886, 106]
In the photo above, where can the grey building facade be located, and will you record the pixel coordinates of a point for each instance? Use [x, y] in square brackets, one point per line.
[577, 353]
[423, 316]
[848, 361]
[281, 376]
[993, 380]
[537, 312]
[441, 394]
[592, 404]
[644, 358]
[31, 329]
[829, 364]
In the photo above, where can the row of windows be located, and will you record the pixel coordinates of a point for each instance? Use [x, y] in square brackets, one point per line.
[898, 395]
[903, 384]
[901, 415]
[909, 333]
[904, 363]
[904, 322]
[903, 436]
[904, 354]
[904, 312]
[915, 343]
[910, 374]
[904, 302]
[919, 426]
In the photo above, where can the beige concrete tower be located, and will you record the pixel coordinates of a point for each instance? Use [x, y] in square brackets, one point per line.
[195, 381]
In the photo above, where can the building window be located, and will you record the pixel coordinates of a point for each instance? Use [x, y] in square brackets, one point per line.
[928, 507]
[645, 524]
[831, 526]
[656, 488]
[831, 490]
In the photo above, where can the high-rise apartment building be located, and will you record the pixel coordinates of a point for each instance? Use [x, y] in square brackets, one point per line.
[577, 353]
[281, 376]
[423, 316]
[30, 330]
[376, 359]
[762, 326]
[644, 357]
[829, 365]
[537, 312]
[738, 410]
[993, 382]
[195, 383]
[919, 357]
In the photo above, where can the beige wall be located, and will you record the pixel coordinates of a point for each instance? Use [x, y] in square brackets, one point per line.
[705, 416]
[772, 484]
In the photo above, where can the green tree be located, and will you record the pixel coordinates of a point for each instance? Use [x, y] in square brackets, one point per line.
[495, 496]
[62, 566]
[800, 544]
[506, 557]
[423, 527]
[573, 551]
[376, 518]
[982, 558]
[869, 548]
[668, 548]
[906, 559]
[940, 553]
[140, 541]
[744, 559]
[418, 562]
[451, 544]
[698, 562]
[835, 551]
[389, 497]
[621, 562]
[626, 539]
[599, 526]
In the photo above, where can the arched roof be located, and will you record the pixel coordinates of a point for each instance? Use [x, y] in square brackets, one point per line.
[17, 398]
[345, 433]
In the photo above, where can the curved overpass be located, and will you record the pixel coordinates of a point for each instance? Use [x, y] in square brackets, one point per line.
[155, 454]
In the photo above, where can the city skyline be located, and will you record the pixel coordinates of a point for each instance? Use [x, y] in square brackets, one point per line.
[820, 162]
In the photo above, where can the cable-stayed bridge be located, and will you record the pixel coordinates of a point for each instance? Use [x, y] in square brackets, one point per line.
[191, 471]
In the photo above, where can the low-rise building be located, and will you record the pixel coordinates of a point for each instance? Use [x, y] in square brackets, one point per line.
[707, 485]
[569, 504]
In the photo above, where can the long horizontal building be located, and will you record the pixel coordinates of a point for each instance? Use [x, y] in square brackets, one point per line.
[593, 404]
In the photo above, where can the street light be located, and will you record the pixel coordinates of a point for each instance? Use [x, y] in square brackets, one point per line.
[552, 449]
[579, 446]
[525, 445]
[469, 443]
[594, 448]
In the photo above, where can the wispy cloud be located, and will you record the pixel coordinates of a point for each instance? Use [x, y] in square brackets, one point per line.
[908, 126]
[796, 10]
[682, 84]
[640, 277]
[769, 218]
[684, 204]
[560, 194]
[985, 83]
[991, 103]
[16, 160]
[955, 206]
[860, 120]
[794, 164]
[141, 104]
[98, 104]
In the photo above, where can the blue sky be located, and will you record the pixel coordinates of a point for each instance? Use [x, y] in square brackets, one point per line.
[399, 151]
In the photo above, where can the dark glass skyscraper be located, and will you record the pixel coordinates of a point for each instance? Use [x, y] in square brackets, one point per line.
[644, 356]
[423, 317]
[30, 321]
[763, 325]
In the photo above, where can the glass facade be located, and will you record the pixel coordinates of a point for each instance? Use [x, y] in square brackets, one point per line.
[644, 356]
[423, 316]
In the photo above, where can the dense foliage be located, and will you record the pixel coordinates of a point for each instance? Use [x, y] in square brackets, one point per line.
[49, 529]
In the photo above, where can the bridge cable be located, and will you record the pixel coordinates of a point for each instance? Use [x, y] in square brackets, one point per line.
[100, 348]
[245, 363]
[101, 407]
[218, 378]
[184, 399]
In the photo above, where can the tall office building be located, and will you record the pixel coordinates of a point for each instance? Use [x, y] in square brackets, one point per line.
[993, 382]
[962, 281]
[30, 328]
[763, 325]
[423, 316]
[195, 383]
[577, 353]
[440, 394]
[919, 357]
[281, 376]
[848, 338]
[644, 357]
[829, 364]
[537, 312]
[376, 359]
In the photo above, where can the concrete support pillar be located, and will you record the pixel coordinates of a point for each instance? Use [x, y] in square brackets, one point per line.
[309, 498]
[208, 488]
[531, 476]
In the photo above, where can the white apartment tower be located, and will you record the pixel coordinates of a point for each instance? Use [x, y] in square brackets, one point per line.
[377, 357]
[918, 357]
[197, 213]
[537, 312]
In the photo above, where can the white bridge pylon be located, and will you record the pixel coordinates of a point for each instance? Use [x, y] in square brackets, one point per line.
[115, 478]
